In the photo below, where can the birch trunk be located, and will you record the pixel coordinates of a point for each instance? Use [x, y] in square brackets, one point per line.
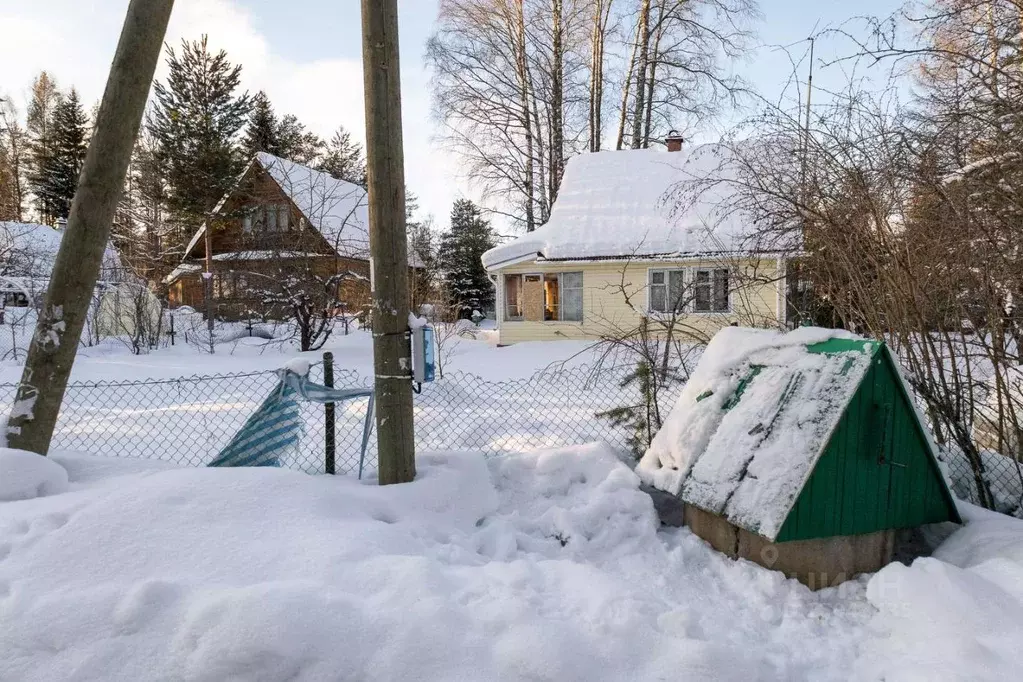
[643, 59]
[624, 111]
[557, 151]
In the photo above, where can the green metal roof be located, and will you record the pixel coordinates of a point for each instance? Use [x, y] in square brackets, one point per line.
[868, 464]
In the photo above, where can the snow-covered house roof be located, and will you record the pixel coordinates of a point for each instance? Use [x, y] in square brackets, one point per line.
[30, 250]
[337, 209]
[756, 417]
[627, 204]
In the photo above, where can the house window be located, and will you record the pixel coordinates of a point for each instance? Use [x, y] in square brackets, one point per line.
[267, 218]
[707, 291]
[667, 291]
[710, 291]
[513, 297]
[552, 297]
[571, 296]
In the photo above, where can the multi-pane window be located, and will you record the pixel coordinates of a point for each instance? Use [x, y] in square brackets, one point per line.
[267, 218]
[667, 291]
[710, 291]
[571, 296]
[551, 297]
[699, 290]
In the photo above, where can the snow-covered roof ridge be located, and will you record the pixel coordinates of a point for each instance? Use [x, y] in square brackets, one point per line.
[743, 448]
[627, 203]
[339, 210]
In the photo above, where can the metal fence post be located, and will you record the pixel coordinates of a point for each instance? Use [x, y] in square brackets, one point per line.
[328, 414]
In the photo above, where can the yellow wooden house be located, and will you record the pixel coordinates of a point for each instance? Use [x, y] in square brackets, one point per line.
[639, 239]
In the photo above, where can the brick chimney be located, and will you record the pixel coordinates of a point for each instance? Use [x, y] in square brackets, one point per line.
[674, 141]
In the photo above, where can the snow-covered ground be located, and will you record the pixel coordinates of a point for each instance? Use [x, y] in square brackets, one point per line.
[540, 566]
[112, 360]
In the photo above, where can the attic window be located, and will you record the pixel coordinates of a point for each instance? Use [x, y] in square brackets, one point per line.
[267, 218]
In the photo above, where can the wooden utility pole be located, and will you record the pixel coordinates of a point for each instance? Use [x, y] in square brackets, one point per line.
[385, 163]
[53, 347]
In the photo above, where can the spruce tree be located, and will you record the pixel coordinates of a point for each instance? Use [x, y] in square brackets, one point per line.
[43, 100]
[343, 158]
[196, 120]
[286, 137]
[460, 259]
[297, 143]
[261, 132]
[69, 142]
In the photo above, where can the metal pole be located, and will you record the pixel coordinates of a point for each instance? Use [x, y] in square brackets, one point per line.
[329, 439]
[388, 267]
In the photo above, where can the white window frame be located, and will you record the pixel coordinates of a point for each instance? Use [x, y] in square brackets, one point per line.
[505, 317]
[686, 277]
[711, 283]
[504, 294]
[689, 283]
[561, 295]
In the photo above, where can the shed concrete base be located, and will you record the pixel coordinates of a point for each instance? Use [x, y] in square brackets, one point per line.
[819, 563]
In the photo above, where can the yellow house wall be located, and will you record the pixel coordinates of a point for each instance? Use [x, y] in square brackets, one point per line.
[755, 298]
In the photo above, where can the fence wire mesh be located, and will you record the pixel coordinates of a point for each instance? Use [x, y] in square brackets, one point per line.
[188, 420]
[1002, 474]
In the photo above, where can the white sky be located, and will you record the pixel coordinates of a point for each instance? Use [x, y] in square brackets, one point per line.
[306, 55]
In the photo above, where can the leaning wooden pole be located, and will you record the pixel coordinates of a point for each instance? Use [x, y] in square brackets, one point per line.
[53, 347]
[385, 162]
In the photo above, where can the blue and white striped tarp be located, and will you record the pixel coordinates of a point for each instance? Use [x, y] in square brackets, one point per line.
[275, 428]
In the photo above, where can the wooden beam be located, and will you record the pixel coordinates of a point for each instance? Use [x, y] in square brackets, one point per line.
[76, 270]
[392, 351]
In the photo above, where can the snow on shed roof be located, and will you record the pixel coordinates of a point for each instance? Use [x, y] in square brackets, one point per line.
[30, 250]
[744, 448]
[623, 203]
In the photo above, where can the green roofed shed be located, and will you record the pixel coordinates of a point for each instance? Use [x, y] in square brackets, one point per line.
[802, 451]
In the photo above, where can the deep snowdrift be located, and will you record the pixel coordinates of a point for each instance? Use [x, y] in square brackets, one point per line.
[24, 475]
[544, 566]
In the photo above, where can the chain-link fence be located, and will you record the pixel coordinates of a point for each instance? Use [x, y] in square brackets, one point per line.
[1002, 473]
[188, 420]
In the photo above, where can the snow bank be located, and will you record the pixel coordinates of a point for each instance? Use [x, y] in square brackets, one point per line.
[955, 616]
[544, 566]
[24, 475]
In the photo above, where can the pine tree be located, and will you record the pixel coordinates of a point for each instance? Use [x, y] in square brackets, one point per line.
[460, 259]
[68, 137]
[343, 158]
[44, 99]
[196, 120]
